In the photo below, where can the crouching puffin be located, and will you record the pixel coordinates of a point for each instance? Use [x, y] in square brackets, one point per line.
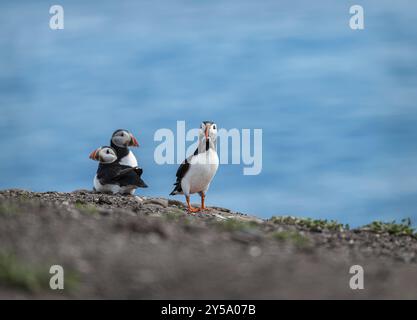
[112, 177]
[120, 141]
[196, 172]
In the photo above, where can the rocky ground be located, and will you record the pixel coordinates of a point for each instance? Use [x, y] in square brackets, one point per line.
[151, 248]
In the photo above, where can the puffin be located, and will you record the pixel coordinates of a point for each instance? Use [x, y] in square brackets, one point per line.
[112, 177]
[120, 141]
[197, 171]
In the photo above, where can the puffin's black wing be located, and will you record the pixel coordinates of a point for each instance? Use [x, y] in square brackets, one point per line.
[129, 176]
[120, 175]
[182, 170]
[127, 170]
[132, 178]
[106, 173]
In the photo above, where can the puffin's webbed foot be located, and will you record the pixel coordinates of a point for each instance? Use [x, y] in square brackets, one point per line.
[193, 210]
[189, 207]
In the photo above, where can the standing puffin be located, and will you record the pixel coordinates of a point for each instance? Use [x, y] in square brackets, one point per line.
[120, 141]
[196, 172]
[112, 177]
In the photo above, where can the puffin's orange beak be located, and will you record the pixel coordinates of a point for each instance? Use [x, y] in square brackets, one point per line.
[93, 155]
[133, 141]
[207, 130]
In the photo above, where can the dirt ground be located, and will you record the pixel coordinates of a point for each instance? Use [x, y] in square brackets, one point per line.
[150, 248]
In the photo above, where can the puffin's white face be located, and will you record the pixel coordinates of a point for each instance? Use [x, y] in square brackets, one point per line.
[208, 130]
[104, 155]
[123, 138]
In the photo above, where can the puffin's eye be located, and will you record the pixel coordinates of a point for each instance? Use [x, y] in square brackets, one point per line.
[107, 151]
[122, 134]
[214, 126]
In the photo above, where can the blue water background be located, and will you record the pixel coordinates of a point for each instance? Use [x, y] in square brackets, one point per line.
[338, 108]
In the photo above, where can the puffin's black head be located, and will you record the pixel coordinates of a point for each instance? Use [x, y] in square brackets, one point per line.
[208, 129]
[104, 155]
[123, 138]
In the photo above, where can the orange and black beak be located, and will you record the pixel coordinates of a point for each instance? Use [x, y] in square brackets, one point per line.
[94, 155]
[207, 131]
[133, 141]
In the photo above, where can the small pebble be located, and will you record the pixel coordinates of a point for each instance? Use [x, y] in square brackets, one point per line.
[255, 251]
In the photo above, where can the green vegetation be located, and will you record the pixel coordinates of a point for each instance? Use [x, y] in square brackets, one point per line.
[15, 274]
[294, 237]
[23, 197]
[8, 209]
[174, 214]
[236, 225]
[71, 280]
[310, 224]
[86, 208]
[401, 229]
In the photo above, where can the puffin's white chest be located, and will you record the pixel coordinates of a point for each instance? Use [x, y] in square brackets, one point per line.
[129, 160]
[202, 169]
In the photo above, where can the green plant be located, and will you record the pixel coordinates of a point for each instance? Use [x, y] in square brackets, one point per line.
[402, 229]
[8, 209]
[236, 225]
[310, 224]
[294, 237]
[15, 274]
[86, 208]
[174, 214]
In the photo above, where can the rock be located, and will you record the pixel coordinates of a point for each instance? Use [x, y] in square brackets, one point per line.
[176, 203]
[115, 246]
[162, 202]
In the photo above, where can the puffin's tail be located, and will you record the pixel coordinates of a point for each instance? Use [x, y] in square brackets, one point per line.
[176, 190]
[142, 184]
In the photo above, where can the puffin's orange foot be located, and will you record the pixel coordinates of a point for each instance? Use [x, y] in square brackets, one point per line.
[203, 206]
[192, 209]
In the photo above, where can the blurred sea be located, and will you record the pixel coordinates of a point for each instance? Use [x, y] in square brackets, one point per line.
[337, 107]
